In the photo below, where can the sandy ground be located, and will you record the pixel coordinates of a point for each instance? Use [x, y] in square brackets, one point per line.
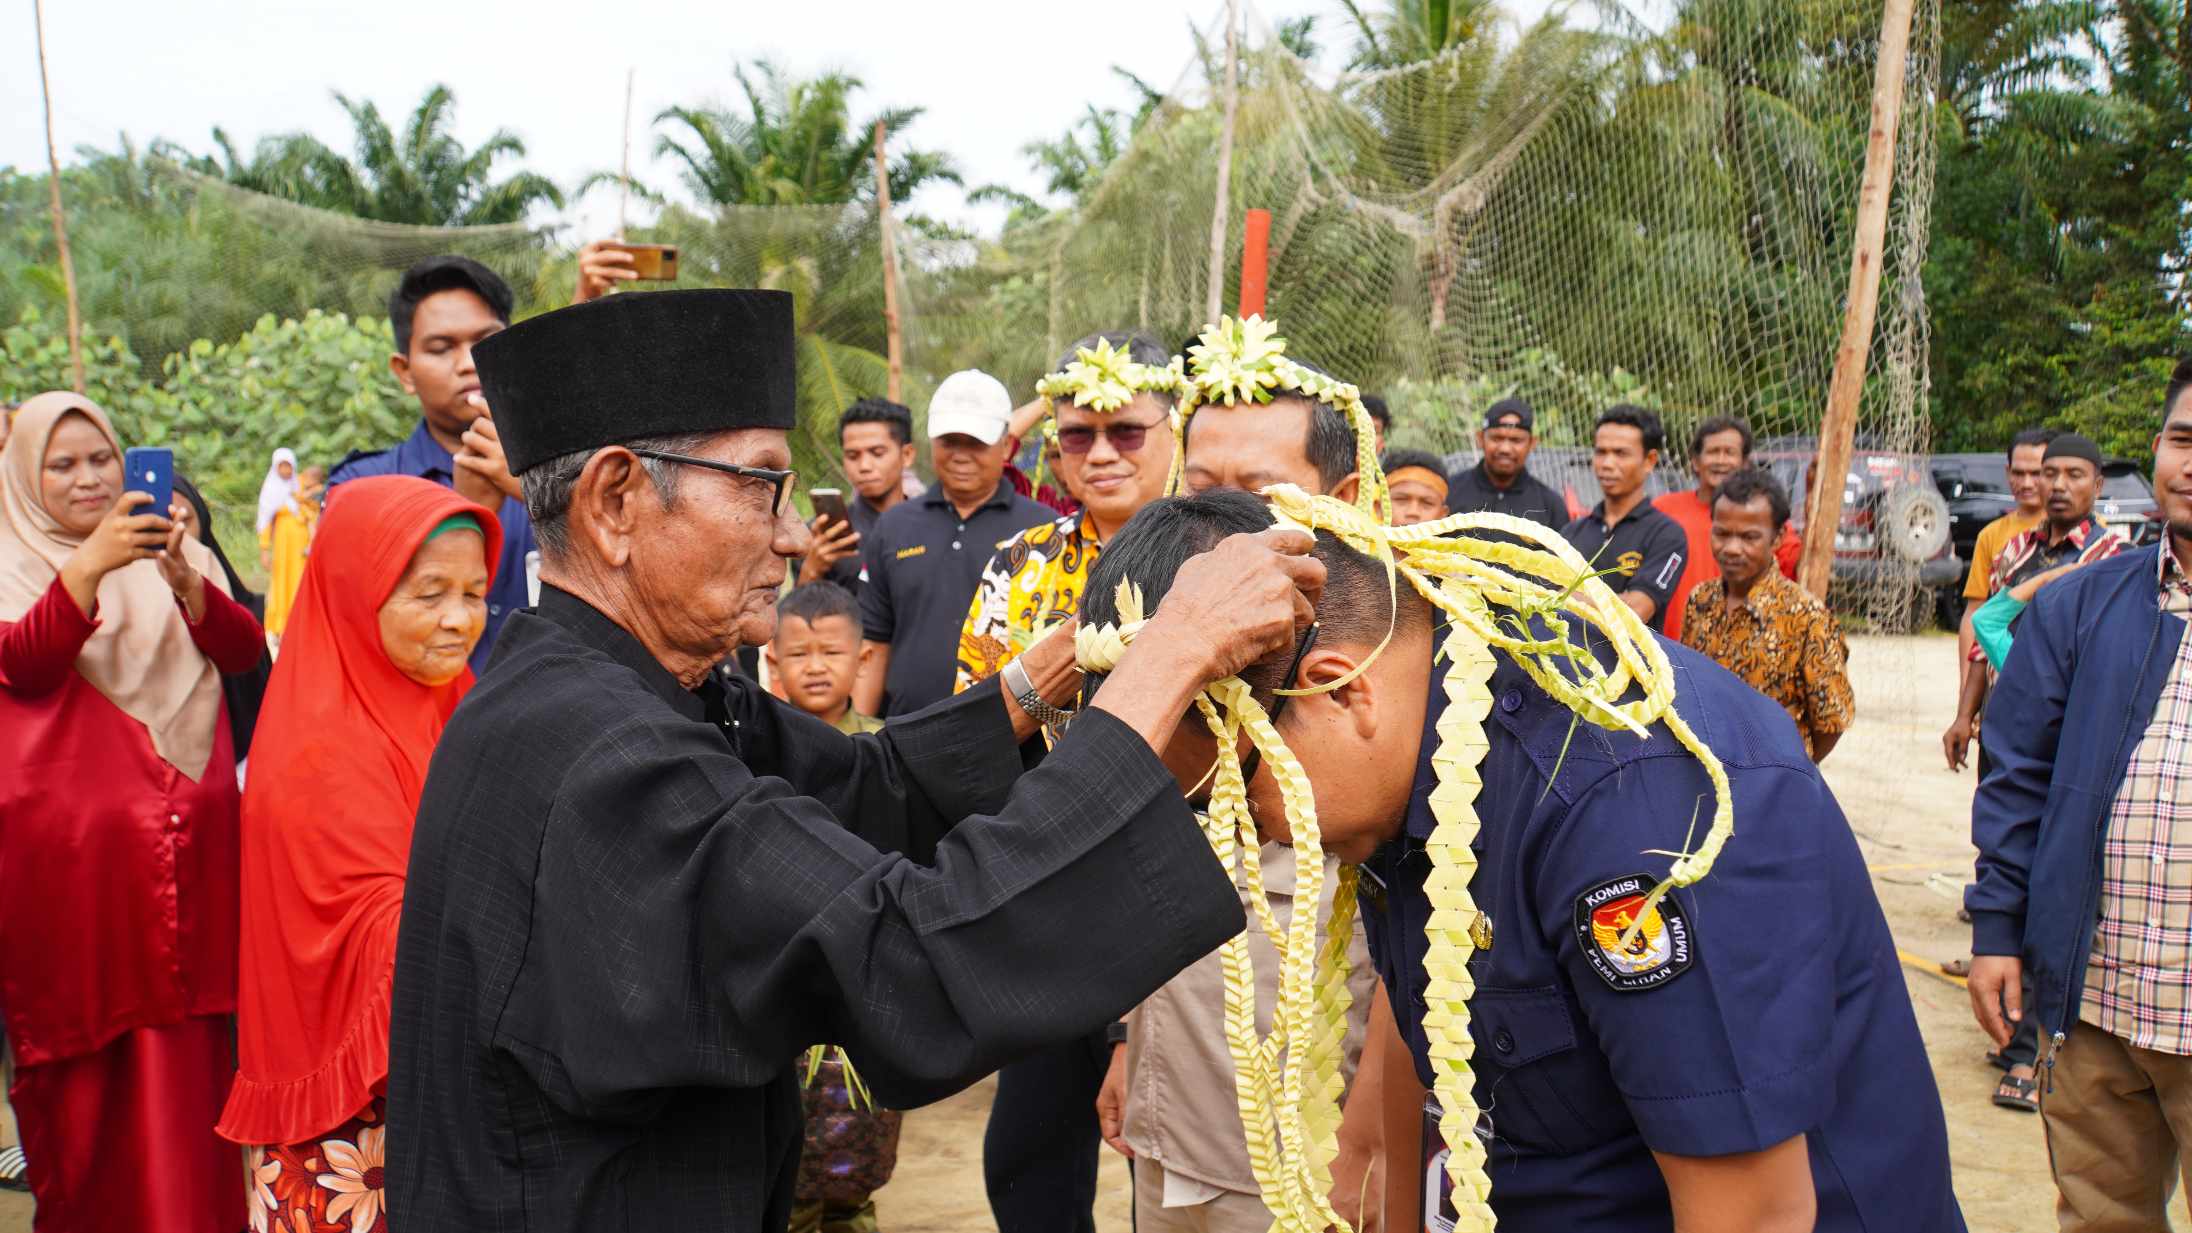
[1912, 816]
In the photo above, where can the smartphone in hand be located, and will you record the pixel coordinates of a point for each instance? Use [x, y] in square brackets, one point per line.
[652, 262]
[150, 468]
[830, 503]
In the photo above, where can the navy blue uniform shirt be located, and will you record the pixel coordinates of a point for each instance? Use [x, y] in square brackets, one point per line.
[1767, 1003]
[923, 563]
[421, 455]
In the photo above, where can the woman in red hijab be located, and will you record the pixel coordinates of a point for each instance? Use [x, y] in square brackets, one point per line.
[392, 602]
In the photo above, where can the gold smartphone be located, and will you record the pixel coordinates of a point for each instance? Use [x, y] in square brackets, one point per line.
[653, 262]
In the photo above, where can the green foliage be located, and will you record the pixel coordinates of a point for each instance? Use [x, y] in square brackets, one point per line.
[1435, 413]
[34, 358]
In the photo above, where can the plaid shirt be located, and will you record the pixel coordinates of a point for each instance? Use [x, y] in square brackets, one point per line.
[2139, 982]
[2029, 554]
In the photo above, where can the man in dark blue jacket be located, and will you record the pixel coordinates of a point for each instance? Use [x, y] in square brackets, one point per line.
[2084, 830]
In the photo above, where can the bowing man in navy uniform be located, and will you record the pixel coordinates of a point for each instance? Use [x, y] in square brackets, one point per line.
[1750, 1062]
[638, 891]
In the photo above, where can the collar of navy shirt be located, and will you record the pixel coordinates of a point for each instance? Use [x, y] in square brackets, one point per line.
[1002, 498]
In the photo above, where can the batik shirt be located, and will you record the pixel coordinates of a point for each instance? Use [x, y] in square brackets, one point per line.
[2138, 984]
[1032, 583]
[1783, 643]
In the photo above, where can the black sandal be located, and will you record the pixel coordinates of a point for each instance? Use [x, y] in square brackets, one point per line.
[1997, 1061]
[2026, 1098]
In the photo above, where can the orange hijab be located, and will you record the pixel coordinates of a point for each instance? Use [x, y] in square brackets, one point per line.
[336, 769]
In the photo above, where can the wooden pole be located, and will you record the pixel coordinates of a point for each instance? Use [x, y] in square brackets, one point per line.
[624, 172]
[890, 270]
[60, 223]
[1220, 212]
[1255, 262]
[1838, 427]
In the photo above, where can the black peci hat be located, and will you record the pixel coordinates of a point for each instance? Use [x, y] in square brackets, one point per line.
[639, 364]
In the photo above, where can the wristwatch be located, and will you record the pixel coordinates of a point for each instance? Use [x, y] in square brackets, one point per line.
[1023, 692]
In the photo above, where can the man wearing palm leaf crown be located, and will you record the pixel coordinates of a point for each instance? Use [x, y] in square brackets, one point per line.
[1653, 1048]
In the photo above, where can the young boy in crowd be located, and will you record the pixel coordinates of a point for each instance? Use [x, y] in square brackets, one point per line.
[816, 654]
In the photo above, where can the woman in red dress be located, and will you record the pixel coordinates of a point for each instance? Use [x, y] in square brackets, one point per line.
[118, 836]
[393, 599]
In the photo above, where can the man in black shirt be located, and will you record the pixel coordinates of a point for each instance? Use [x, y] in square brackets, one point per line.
[924, 557]
[1643, 549]
[875, 438]
[1501, 483]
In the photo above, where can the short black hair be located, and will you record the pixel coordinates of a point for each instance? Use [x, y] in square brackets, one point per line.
[1375, 405]
[447, 272]
[1713, 426]
[2179, 382]
[1395, 459]
[878, 411]
[1751, 483]
[2042, 437]
[818, 601]
[1633, 416]
[1161, 537]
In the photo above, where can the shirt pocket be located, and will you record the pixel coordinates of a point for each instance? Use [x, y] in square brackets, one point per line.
[1542, 1088]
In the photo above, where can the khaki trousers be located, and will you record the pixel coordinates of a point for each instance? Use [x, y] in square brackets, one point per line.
[2116, 1117]
[1230, 1212]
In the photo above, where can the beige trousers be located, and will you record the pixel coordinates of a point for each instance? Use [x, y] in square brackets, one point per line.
[9, 1136]
[1230, 1212]
[2117, 1117]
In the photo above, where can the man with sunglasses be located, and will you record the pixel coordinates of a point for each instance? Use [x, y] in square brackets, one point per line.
[641, 891]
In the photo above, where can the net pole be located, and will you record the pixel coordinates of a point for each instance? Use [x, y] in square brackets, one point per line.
[60, 221]
[624, 170]
[890, 269]
[1220, 211]
[1838, 427]
[1255, 262]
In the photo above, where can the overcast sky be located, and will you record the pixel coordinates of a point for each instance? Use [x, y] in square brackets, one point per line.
[993, 74]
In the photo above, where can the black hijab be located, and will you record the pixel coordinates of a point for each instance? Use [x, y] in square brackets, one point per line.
[243, 691]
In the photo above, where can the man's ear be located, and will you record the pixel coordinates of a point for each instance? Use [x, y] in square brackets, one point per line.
[1354, 703]
[906, 455]
[1347, 489]
[400, 365]
[605, 502]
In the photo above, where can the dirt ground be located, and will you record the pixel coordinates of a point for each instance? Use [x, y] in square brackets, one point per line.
[1912, 816]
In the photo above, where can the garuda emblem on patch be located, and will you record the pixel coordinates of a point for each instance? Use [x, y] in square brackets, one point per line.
[1661, 949]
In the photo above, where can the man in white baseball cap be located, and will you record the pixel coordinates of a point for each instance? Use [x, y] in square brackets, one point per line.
[925, 556]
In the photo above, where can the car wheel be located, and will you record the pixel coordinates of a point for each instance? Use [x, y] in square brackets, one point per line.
[1912, 523]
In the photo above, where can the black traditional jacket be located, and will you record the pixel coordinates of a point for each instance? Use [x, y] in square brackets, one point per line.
[631, 906]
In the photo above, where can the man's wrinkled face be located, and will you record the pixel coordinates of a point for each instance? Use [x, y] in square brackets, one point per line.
[1743, 537]
[2173, 469]
[1506, 451]
[711, 565]
[438, 368]
[2028, 478]
[2072, 484]
[966, 469]
[1721, 455]
[874, 460]
[1250, 447]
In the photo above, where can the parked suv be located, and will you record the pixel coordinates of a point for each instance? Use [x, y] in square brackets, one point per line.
[1894, 522]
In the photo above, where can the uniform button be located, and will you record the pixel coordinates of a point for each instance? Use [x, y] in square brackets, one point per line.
[1504, 1042]
[955, 545]
[1511, 701]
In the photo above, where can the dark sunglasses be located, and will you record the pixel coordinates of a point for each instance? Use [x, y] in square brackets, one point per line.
[1125, 438]
[785, 482]
[1254, 760]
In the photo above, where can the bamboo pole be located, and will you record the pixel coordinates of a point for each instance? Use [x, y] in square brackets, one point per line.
[1220, 212]
[890, 269]
[1838, 427]
[624, 171]
[60, 223]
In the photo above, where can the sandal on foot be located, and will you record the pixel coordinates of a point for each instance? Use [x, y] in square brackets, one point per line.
[1997, 1061]
[2019, 1094]
[14, 1170]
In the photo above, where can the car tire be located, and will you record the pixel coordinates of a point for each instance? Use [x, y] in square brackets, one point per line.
[1912, 523]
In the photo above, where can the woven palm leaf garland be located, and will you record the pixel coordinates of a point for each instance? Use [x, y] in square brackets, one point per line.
[1495, 594]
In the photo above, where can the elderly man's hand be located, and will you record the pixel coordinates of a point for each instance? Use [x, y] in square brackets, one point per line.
[1243, 601]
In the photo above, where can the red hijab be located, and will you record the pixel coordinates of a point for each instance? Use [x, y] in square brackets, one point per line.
[336, 768]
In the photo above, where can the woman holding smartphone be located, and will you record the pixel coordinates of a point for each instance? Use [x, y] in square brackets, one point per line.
[118, 825]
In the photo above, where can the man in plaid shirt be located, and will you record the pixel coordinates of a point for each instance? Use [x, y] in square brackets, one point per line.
[2090, 735]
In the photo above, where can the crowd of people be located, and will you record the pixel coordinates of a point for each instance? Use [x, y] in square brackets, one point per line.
[501, 865]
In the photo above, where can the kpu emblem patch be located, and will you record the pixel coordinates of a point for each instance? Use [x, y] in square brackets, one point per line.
[1662, 949]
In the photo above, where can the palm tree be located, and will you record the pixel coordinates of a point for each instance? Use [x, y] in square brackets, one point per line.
[1411, 31]
[794, 143]
[424, 176]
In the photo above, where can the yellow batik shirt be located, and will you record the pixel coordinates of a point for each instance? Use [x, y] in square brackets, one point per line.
[1033, 582]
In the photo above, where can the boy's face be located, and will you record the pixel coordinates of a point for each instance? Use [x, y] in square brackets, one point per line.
[817, 662]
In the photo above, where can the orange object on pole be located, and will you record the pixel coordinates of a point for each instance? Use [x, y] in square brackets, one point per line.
[1255, 262]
